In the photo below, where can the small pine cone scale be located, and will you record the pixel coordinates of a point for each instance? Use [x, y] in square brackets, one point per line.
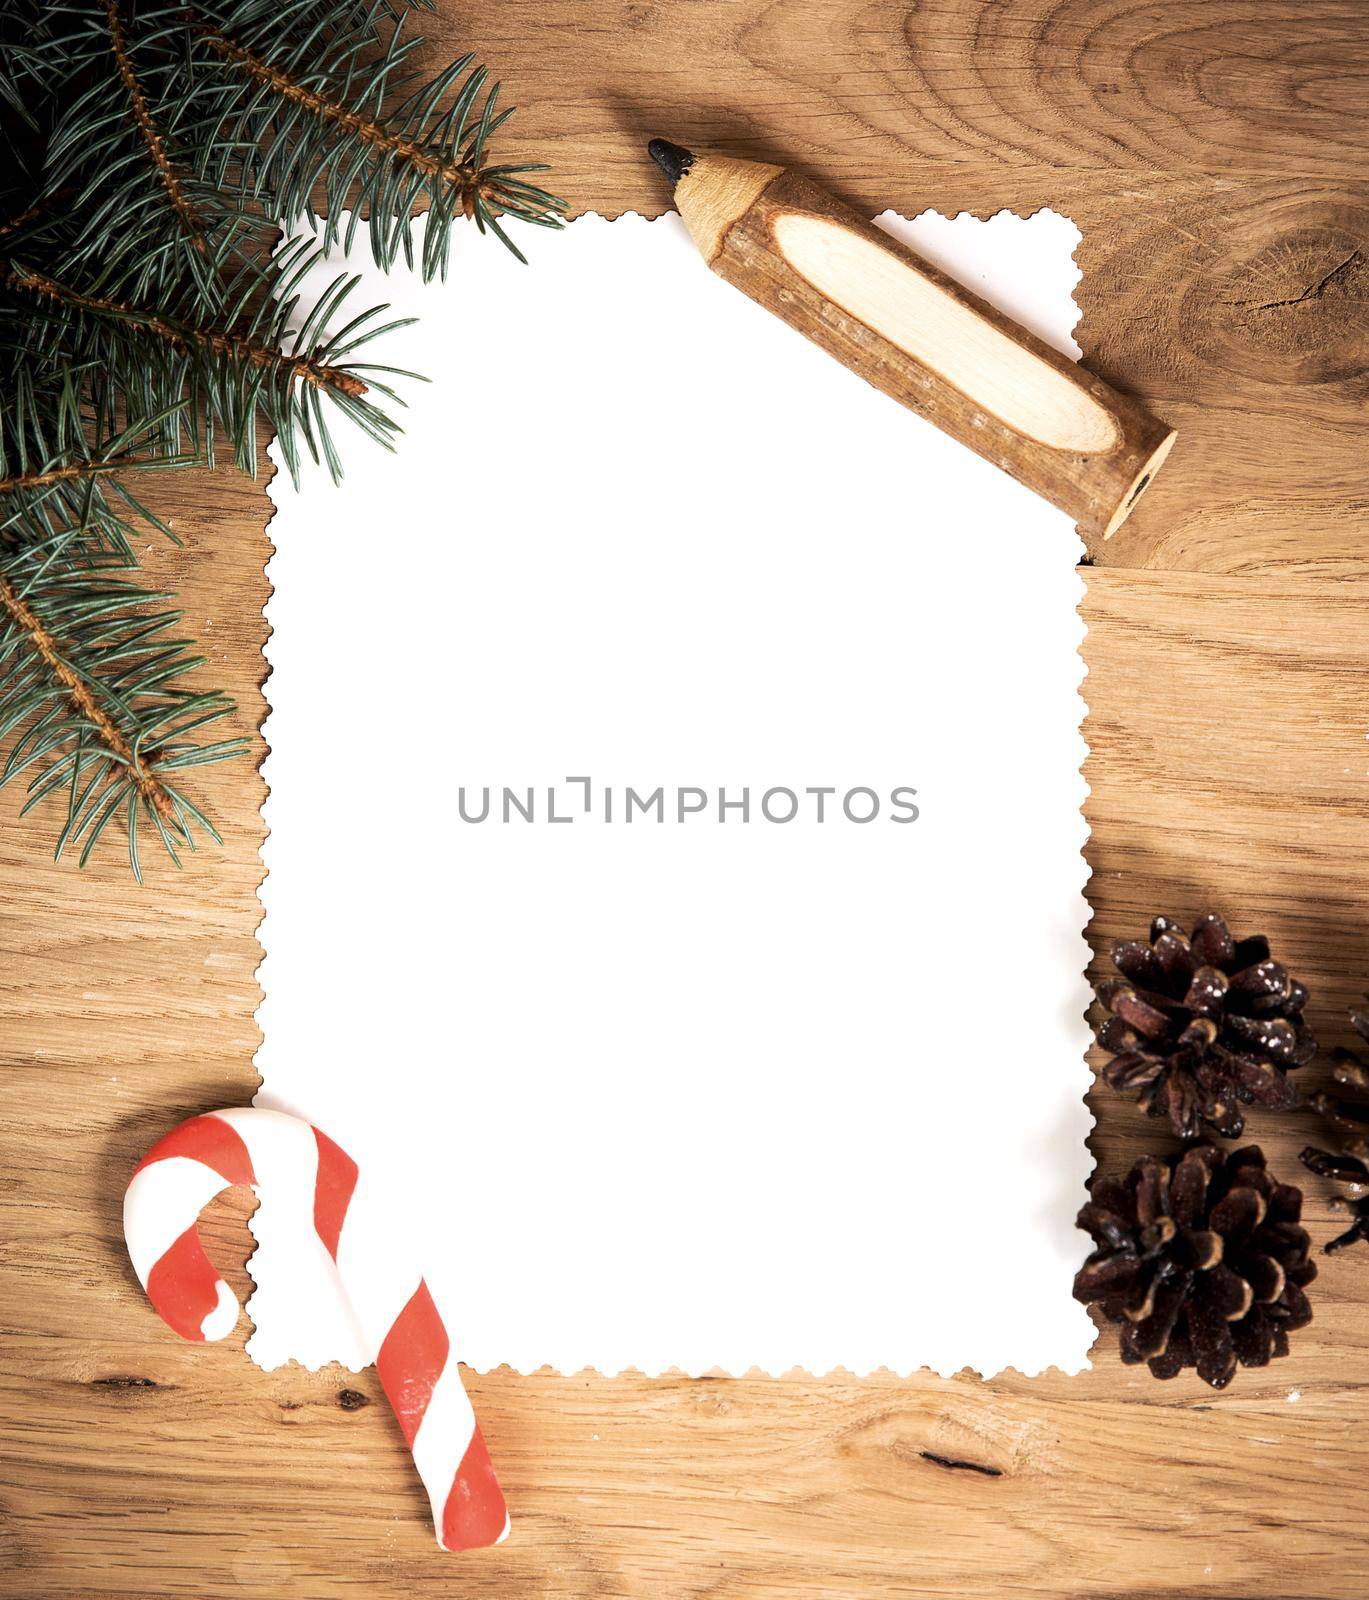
[1202, 1025]
[1201, 1260]
[1349, 1119]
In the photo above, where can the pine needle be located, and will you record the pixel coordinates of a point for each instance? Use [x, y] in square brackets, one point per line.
[153, 151]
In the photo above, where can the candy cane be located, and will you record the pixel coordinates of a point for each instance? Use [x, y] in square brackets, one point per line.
[395, 1317]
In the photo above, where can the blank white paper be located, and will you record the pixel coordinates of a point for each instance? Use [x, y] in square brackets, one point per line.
[681, 1083]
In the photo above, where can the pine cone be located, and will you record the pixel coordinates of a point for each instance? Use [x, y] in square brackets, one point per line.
[1202, 1026]
[1350, 1119]
[1202, 1261]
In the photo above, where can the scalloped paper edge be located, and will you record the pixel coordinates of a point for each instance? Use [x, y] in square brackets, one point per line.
[259, 1347]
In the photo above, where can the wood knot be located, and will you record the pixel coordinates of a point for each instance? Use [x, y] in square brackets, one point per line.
[1292, 308]
[352, 1399]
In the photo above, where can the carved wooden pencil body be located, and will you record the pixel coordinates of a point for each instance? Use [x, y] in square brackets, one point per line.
[918, 335]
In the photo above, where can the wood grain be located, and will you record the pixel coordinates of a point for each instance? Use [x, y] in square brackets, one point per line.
[1213, 152]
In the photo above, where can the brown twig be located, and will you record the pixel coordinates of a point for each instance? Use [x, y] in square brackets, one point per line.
[180, 201]
[182, 337]
[74, 469]
[459, 173]
[25, 216]
[148, 785]
[43, 203]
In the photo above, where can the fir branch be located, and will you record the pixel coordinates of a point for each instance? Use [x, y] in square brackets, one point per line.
[180, 336]
[341, 109]
[92, 699]
[75, 493]
[175, 191]
[152, 153]
[38, 639]
[71, 470]
[462, 175]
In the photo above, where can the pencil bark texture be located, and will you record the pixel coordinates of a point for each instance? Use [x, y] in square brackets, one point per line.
[924, 339]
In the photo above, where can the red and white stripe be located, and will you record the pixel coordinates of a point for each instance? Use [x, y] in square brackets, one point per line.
[396, 1320]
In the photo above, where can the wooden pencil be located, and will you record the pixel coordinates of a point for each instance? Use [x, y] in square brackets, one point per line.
[922, 338]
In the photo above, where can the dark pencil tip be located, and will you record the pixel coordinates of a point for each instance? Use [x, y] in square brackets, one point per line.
[673, 159]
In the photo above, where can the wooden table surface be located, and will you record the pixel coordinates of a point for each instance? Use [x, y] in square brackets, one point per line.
[1214, 154]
